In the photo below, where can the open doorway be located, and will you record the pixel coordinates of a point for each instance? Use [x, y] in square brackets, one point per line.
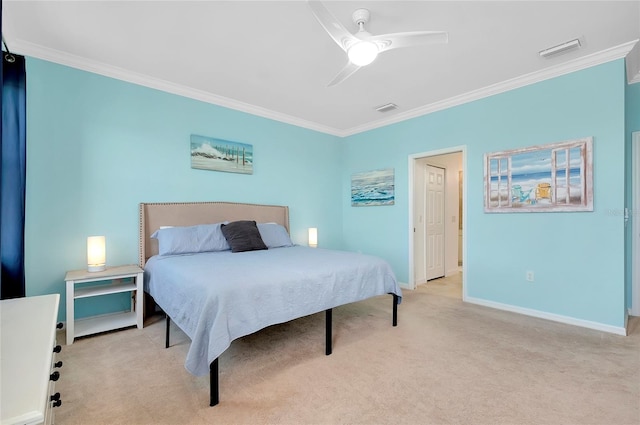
[437, 197]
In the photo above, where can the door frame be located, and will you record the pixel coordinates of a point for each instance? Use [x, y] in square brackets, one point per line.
[411, 171]
[635, 224]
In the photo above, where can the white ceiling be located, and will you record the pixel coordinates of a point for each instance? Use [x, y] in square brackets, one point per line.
[273, 59]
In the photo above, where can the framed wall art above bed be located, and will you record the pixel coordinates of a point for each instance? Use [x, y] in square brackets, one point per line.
[208, 153]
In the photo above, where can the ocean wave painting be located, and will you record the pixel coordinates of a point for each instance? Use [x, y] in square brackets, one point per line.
[373, 188]
[221, 155]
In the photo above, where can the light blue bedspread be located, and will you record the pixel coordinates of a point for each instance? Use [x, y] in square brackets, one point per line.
[216, 297]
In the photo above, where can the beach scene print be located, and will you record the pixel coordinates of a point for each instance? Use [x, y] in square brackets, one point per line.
[552, 177]
[372, 188]
[221, 155]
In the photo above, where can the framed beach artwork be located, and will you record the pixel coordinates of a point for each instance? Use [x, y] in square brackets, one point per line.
[552, 177]
[373, 188]
[221, 155]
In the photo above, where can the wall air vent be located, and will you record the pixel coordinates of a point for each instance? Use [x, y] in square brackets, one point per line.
[387, 107]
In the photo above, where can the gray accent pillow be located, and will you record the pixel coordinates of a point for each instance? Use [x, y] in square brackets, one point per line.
[243, 236]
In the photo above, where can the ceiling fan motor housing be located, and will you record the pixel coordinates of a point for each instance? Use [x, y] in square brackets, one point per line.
[361, 16]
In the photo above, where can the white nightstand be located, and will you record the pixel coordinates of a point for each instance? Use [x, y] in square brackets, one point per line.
[107, 322]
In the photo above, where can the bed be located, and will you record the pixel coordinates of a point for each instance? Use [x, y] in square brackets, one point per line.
[216, 295]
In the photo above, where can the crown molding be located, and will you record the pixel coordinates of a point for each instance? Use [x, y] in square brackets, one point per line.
[63, 58]
[37, 51]
[633, 65]
[608, 55]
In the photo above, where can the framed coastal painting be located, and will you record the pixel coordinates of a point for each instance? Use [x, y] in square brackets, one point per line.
[371, 188]
[208, 153]
[552, 177]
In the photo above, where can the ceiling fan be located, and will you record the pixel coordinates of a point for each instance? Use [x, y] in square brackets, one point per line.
[362, 47]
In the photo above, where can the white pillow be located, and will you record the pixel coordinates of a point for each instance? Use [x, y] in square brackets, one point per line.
[274, 235]
[190, 239]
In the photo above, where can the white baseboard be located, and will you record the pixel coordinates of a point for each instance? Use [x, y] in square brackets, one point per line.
[404, 285]
[626, 322]
[452, 271]
[550, 316]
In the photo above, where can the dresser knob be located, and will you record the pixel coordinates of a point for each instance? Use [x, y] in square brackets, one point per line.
[57, 348]
[57, 403]
[58, 364]
[55, 376]
[55, 397]
[60, 325]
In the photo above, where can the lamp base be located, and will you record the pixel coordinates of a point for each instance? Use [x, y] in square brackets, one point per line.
[96, 267]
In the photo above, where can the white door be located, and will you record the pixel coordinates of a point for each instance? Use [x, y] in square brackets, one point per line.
[419, 230]
[435, 222]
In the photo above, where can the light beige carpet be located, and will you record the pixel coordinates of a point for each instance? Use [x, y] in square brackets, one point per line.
[446, 363]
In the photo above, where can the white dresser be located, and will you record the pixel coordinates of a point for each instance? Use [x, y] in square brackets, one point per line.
[28, 368]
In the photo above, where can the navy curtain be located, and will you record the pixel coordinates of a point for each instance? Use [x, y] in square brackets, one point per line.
[13, 175]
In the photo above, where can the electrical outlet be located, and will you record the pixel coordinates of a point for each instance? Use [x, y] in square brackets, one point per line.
[529, 276]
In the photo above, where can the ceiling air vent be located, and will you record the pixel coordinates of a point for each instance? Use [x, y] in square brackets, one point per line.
[387, 107]
[560, 48]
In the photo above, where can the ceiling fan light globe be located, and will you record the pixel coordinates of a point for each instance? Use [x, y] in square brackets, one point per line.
[363, 53]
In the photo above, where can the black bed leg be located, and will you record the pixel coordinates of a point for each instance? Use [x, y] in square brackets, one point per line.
[329, 338]
[395, 310]
[166, 340]
[214, 394]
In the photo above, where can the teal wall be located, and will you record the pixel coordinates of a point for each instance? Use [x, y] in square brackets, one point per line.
[577, 258]
[632, 122]
[97, 147]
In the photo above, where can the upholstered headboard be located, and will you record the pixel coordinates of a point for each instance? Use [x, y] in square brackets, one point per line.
[154, 215]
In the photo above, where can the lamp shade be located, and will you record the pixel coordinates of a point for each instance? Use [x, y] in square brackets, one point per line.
[313, 237]
[96, 253]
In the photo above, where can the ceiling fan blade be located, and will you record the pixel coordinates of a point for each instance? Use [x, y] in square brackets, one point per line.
[346, 72]
[336, 30]
[407, 39]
